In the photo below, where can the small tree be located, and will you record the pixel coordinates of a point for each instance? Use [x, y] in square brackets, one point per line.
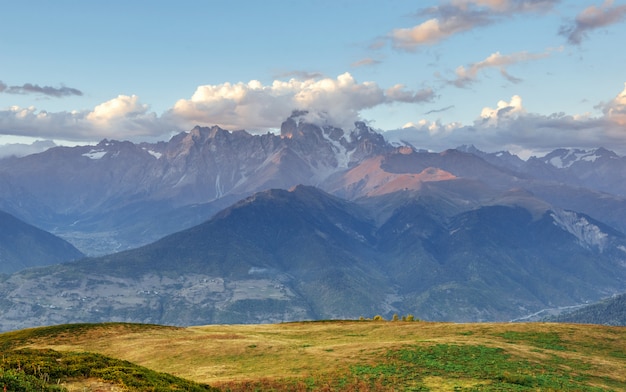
[395, 317]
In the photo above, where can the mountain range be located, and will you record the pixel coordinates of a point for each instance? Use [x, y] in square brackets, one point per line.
[316, 222]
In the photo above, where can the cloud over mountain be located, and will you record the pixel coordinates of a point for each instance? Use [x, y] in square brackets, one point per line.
[509, 126]
[615, 110]
[253, 105]
[339, 101]
[122, 117]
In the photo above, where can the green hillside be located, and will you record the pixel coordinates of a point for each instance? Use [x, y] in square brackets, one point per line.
[310, 356]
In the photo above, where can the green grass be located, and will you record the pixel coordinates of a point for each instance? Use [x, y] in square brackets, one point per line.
[50, 370]
[546, 340]
[490, 369]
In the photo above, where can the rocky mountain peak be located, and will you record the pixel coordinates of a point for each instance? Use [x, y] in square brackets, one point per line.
[297, 128]
[566, 157]
[205, 134]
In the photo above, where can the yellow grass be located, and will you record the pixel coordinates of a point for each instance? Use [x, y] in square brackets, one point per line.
[224, 353]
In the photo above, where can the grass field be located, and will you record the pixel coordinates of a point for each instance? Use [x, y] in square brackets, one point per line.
[332, 355]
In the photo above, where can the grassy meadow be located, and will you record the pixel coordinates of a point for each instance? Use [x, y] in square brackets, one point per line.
[317, 356]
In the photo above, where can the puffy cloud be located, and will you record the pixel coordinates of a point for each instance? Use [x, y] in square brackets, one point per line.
[458, 16]
[29, 88]
[466, 76]
[615, 110]
[253, 105]
[592, 18]
[504, 111]
[121, 118]
[121, 107]
[509, 126]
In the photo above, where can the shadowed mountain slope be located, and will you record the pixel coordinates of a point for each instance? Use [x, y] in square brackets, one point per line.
[610, 311]
[23, 246]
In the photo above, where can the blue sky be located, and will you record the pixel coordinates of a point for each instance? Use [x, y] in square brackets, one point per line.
[525, 76]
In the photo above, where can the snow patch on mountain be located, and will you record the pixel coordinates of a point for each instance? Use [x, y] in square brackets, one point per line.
[588, 234]
[95, 154]
[564, 158]
[341, 153]
[219, 189]
[155, 154]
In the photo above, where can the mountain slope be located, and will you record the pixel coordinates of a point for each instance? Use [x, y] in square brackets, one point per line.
[23, 246]
[304, 254]
[491, 262]
[275, 256]
[610, 311]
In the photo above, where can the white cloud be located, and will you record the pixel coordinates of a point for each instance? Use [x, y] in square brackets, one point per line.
[253, 105]
[121, 118]
[458, 16]
[116, 108]
[430, 32]
[615, 110]
[466, 76]
[502, 112]
[399, 93]
[509, 126]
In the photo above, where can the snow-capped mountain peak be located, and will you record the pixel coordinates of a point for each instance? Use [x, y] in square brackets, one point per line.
[566, 157]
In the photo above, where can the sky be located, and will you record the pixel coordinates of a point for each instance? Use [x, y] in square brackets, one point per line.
[525, 76]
